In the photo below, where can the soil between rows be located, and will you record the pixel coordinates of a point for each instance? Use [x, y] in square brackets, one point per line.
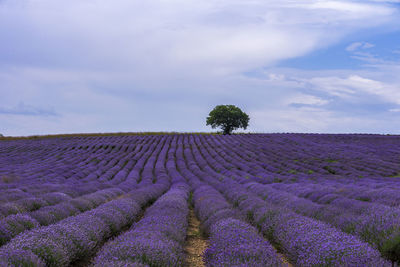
[196, 244]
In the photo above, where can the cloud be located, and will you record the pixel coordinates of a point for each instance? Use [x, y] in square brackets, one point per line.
[214, 36]
[359, 51]
[137, 65]
[337, 100]
[297, 118]
[315, 120]
[359, 45]
[27, 110]
[352, 86]
[306, 100]
[288, 100]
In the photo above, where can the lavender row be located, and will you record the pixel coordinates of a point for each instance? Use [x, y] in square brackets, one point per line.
[376, 224]
[232, 241]
[26, 198]
[13, 225]
[332, 170]
[368, 189]
[294, 155]
[326, 196]
[74, 189]
[387, 195]
[373, 223]
[113, 170]
[31, 202]
[157, 239]
[77, 237]
[72, 163]
[328, 245]
[305, 241]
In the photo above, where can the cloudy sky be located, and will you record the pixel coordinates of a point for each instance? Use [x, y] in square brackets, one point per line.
[162, 65]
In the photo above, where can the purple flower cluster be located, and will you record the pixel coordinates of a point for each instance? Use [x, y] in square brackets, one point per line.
[233, 242]
[13, 225]
[330, 245]
[157, 239]
[20, 257]
[376, 224]
[319, 198]
[306, 241]
[22, 205]
[75, 237]
[236, 243]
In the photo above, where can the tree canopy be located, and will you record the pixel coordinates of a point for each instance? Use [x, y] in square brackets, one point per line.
[228, 117]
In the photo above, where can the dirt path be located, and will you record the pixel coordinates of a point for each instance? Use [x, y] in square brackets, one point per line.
[285, 260]
[196, 244]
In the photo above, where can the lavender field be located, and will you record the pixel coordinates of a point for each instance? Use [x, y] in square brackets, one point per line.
[258, 200]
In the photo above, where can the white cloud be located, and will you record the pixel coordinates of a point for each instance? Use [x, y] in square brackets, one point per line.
[354, 85]
[134, 65]
[364, 100]
[335, 86]
[368, 45]
[304, 99]
[221, 36]
[355, 8]
[359, 45]
[353, 46]
[268, 100]
[313, 120]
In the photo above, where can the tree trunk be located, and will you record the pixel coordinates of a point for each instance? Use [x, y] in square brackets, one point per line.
[227, 130]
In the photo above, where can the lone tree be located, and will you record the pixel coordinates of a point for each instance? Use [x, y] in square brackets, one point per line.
[228, 117]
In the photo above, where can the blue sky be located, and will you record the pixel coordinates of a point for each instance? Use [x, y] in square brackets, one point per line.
[156, 65]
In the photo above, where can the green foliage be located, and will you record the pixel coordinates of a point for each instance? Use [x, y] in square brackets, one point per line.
[190, 199]
[365, 199]
[250, 215]
[329, 169]
[332, 160]
[391, 249]
[228, 117]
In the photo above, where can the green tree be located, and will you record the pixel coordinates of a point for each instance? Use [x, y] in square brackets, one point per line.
[228, 117]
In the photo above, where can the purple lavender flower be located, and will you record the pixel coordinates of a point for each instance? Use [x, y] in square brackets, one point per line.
[155, 240]
[236, 243]
[20, 257]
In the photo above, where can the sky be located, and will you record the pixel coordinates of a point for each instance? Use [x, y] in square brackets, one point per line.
[310, 66]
